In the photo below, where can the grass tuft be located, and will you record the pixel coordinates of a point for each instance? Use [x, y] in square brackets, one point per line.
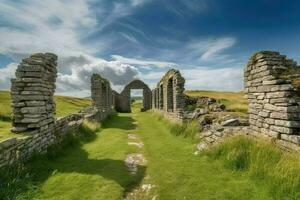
[187, 129]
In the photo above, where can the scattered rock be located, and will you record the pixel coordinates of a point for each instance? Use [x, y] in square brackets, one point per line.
[202, 146]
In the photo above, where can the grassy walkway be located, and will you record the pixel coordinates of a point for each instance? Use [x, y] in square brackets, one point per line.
[180, 174]
[95, 169]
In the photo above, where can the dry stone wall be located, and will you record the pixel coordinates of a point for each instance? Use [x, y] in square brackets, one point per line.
[168, 96]
[34, 109]
[20, 149]
[32, 93]
[273, 93]
[102, 96]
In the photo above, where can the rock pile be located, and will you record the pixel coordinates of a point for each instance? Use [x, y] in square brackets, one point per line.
[274, 101]
[32, 92]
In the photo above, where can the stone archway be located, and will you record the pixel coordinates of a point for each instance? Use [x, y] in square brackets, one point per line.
[124, 98]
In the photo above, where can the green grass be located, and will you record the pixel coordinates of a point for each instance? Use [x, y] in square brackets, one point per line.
[64, 106]
[266, 164]
[91, 166]
[232, 100]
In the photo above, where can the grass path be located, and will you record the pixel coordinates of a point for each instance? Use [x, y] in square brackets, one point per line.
[180, 174]
[95, 170]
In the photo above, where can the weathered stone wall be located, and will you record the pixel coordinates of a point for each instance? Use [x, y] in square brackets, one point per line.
[123, 104]
[169, 94]
[34, 109]
[20, 149]
[32, 93]
[273, 93]
[102, 96]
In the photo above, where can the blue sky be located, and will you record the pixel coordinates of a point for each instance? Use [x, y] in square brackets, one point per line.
[209, 41]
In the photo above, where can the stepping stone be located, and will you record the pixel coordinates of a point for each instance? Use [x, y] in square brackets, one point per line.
[133, 136]
[145, 191]
[138, 144]
[134, 160]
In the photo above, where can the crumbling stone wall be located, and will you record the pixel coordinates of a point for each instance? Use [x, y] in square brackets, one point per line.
[155, 101]
[169, 94]
[20, 149]
[32, 93]
[123, 104]
[102, 96]
[34, 110]
[273, 92]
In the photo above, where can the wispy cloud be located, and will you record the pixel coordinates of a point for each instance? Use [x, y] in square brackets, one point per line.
[78, 33]
[143, 62]
[210, 48]
[44, 26]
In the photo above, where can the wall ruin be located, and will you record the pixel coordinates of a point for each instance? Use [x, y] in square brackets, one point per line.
[123, 104]
[33, 105]
[169, 95]
[32, 93]
[102, 96]
[273, 92]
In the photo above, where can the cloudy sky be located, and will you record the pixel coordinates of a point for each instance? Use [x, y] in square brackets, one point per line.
[209, 41]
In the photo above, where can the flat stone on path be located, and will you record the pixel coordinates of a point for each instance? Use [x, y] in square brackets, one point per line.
[133, 160]
[137, 144]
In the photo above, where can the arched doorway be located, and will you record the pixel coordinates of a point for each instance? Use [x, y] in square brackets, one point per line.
[124, 103]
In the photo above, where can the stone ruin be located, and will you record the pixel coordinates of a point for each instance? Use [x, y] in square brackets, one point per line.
[272, 87]
[273, 92]
[123, 99]
[168, 96]
[102, 96]
[32, 93]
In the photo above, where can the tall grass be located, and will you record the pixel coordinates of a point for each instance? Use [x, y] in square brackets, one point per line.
[186, 129]
[265, 163]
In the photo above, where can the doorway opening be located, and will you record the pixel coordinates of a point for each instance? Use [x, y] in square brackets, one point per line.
[136, 100]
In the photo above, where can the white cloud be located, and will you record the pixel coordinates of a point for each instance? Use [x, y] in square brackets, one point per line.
[39, 26]
[6, 73]
[60, 27]
[57, 26]
[78, 80]
[137, 2]
[209, 49]
[143, 62]
[228, 79]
